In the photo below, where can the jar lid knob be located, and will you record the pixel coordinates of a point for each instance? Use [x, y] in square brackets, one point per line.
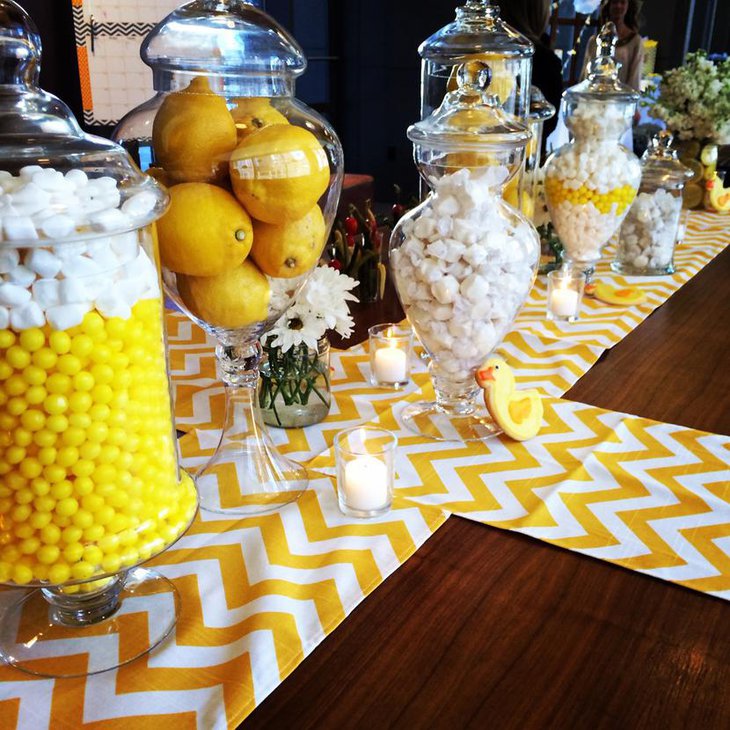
[604, 64]
[20, 46]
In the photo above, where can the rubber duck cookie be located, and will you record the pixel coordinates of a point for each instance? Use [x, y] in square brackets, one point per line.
[517, 412]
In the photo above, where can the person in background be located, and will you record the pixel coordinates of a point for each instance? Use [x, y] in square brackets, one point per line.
[630, 48]
[531, 18]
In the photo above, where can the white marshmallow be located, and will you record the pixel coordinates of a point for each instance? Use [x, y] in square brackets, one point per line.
[67, 315]
[72, 291]
[43, 262]
[47, 292]
[77, 266]
[13, 295]
[21, 275]
[58, 226]
[19, 228]
[140, 205]
[27, 316]
[111, 219]
[110, 304]
[9, 259]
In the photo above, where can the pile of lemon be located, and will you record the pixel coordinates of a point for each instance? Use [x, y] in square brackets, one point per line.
[244, 186]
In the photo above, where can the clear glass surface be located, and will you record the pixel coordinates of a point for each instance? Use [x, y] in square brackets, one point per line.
[477, 34]
[464, 260]
[91, 486]
[650, 231]
[591, 182]
[254, 178]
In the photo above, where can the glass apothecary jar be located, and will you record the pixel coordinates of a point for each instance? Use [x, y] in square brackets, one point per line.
[254, 177]
[90, 485]
[477, 34]
[650, 230]
[464, 260]
[591, 181]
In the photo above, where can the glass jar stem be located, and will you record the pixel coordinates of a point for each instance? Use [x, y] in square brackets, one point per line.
[86, 603]
[246, 475]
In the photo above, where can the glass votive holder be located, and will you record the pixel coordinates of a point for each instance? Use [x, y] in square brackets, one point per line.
[564, 294]
[390, 355]
[365, 462]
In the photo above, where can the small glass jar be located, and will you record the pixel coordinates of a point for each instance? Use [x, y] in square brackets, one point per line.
[477, 34]
[650, 230]
[464, 260]
[591, 181]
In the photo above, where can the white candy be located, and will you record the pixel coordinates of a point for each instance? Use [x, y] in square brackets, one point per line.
[110, 304]
[72, 291]
[43, 262]
[4, 318]
[78, 177]
[66, 316]
[58, 226]
[21, 275]
[29, 170]
[9, 259]
[47, 292]
[19, 228]
[76, 266]
[461, 289]
[111, 219]
[27, 316]
[140, 205]
[13, 295]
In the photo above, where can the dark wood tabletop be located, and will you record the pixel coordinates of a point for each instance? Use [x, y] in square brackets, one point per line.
[484, 628]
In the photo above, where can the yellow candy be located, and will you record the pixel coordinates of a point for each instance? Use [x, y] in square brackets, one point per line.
[90, 482]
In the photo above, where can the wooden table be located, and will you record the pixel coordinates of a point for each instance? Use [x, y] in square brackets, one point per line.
[485, 628]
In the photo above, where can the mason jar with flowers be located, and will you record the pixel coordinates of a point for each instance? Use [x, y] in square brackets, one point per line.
[294, 382]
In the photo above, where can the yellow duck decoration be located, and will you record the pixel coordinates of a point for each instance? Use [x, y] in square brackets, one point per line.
[517, 413]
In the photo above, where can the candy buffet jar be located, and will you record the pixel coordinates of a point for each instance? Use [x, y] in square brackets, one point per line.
[463, 261]
[650, 230]
[90, 484]
[254, 178]
[591, 182]
[477, 34]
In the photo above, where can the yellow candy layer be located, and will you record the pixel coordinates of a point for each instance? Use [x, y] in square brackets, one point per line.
[89, 482]
[622, 196]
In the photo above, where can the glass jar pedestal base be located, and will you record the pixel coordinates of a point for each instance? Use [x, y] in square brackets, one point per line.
[621, 267]
[128, 616]
[467, 422]
[246, 475]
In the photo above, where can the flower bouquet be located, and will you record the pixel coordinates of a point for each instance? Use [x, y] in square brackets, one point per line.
[294, 388]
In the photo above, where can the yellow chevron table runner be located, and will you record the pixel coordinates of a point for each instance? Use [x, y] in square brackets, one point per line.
[257, 596]
[649, 496]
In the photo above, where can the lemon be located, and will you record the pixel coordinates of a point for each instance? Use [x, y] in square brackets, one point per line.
[193, 134]
[696, 167]
[253, 114]
[204, 231]
[279, 172]
[289, 249]
[693, 195]
[236, 298]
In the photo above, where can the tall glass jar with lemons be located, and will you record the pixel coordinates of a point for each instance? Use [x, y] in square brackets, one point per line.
[254, 178]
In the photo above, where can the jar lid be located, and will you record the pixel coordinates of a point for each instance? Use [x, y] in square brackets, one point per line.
[477, 29]
[470, 118]
[233, 40]
[41, 143]
[660, 162]
[540, 108]
[602, 83]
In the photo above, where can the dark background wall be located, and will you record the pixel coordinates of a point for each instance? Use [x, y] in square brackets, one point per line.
[364, 67]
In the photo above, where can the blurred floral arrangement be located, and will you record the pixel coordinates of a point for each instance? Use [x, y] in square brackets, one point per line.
[694, 99]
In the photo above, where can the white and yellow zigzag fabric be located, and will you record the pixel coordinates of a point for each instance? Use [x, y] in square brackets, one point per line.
[650, 496]
[257, 596]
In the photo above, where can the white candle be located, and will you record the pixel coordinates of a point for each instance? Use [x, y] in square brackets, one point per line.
[390, 365]
[564, 302]
[366, 483]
